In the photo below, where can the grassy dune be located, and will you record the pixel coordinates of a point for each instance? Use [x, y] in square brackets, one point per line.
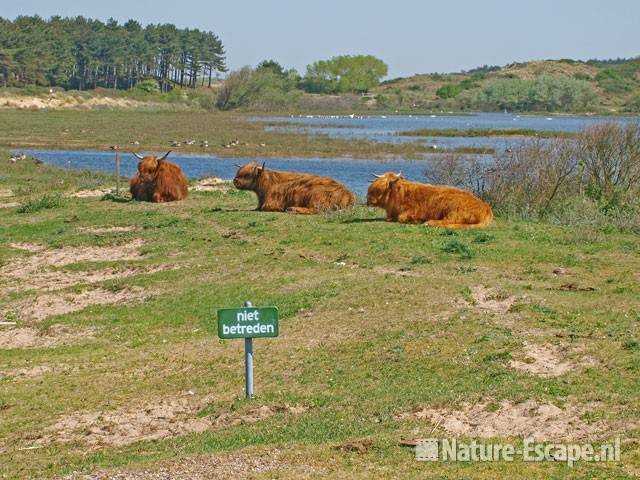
[378, 320]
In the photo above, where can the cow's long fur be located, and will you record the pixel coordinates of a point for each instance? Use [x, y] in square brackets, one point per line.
[437, 205]
[292, 192]
[158, 180]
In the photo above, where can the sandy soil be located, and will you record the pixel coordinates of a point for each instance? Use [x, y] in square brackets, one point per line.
[9, 204]
[64, 101]
[110, 229]
[165, 418]
[490, 300]
[34, 271]
[210, 184]
[48, 305]
[53, 336]
[542, 421]
[203, 467]
[90, 193]
[543, 360]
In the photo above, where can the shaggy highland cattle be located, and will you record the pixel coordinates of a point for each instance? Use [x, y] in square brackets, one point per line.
[292, 192]
[158, 180]
[436, 205]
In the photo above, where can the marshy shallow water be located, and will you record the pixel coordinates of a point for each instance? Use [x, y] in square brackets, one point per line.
[355, 174]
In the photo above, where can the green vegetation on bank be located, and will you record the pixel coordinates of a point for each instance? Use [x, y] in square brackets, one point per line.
[147, 131]
[485, 132]
[378, 322]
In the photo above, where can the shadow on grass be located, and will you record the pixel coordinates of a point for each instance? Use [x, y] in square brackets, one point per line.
[363, 220]
[116, 199]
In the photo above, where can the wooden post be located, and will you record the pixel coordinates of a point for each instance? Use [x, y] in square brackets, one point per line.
[115, 149]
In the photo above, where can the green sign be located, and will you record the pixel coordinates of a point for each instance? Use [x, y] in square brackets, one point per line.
[248, 322]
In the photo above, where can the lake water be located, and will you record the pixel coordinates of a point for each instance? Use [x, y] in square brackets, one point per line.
[385, 129]
[355, 174]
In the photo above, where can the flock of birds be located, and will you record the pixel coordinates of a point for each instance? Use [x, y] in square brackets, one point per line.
[22, 157]
[205, 143]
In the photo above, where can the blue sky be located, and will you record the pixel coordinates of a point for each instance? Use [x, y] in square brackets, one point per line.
[411, 36]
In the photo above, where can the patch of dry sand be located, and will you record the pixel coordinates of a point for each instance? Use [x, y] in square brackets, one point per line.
[543, 360]
[62, 101]
[26, 372]
[27, 247]
[34, 271]
[490, 300]
[110, 229]
[9, 205]
[6, 192]
[203, 467]
[53, 336]
[210, 184]
[163, 419]
[48, 305]
[90, 193]
[542, 421]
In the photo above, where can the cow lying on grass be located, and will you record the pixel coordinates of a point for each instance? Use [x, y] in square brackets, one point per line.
[158, 180]
[412, 202]
[292, 192]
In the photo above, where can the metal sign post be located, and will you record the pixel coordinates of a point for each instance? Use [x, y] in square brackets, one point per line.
[248, 322]
[248, 362]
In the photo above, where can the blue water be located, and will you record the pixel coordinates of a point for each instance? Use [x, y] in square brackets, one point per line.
[380, 128]
[355, 174]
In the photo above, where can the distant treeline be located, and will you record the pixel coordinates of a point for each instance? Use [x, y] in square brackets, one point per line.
[82, 53]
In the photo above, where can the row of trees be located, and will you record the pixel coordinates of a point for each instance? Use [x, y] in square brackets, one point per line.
[82, 53]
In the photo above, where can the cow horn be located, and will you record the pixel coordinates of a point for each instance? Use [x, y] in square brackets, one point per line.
[165, 155]
[377, 176]
[138, 156]
[238, 165]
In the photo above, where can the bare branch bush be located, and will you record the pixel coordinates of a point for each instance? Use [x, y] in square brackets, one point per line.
[468, 172]
[610, 157]
[589, 180]
[533, 176]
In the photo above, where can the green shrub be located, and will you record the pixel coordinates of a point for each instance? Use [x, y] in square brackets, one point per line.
[541, 94]
[148, 86]
[468, 84]
[345, 73]
[45, 202]
[257, 89]
[608, 74]
[458, 248]
[449, 90]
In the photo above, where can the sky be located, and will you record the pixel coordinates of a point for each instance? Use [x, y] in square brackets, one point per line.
[411, 36]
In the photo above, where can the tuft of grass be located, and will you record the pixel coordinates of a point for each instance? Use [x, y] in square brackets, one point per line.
[631, 346]
[44, 202]
[456, 247]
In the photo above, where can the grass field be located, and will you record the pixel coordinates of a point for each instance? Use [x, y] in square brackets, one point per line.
[388, 332]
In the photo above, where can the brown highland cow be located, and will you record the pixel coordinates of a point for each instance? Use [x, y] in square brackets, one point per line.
[158, 180]
[292, 192]
[437, 205]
